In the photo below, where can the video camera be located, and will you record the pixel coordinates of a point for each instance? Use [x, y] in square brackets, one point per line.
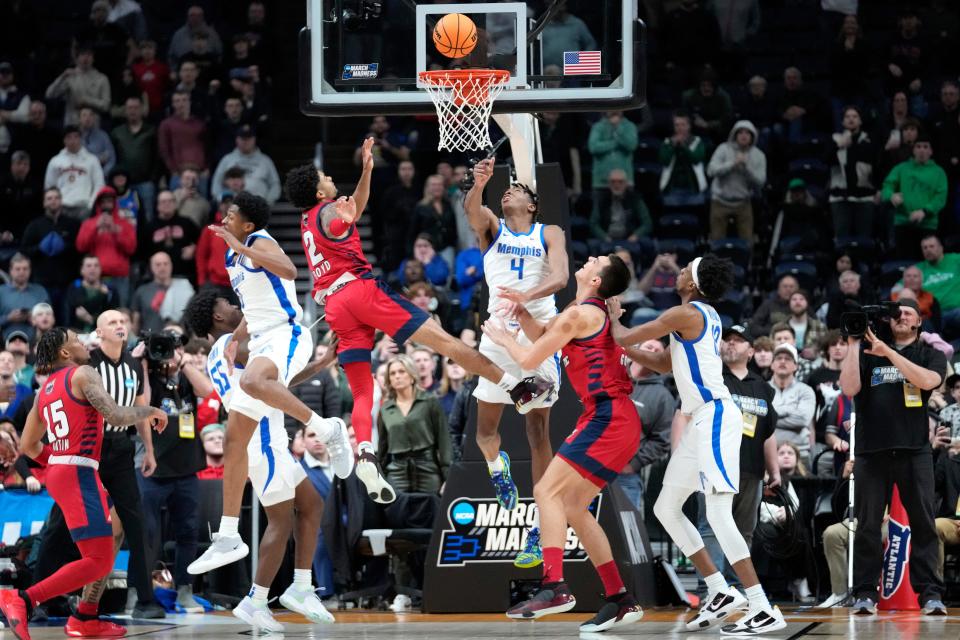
[870, 316]
[161, 346]
[356, 13]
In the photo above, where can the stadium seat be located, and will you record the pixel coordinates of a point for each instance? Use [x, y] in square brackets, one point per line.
[860, 248]
[812, 170]
[732, 305]
[736, 249]
[679, 225]
[648, 148]
[892, 271]
[685, 249]
[804, 272]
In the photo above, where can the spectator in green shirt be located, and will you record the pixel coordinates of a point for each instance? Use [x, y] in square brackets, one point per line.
[941, 277]
[612, 142]
[413, 440]
[917, 189]
[683, 180]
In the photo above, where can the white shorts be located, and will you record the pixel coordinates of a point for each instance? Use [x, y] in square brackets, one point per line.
[708, 456]
[488, 391]
[288, 346]
[272, 469]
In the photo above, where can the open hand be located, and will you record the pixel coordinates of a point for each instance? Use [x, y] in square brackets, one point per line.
[346, 207]
[366, 154]
[482, 173]
[877, 347]
[513, 295]
[221, 232]
[330, 355]
[230, 355]
[614, 310]
[149, 465]
[495, 330]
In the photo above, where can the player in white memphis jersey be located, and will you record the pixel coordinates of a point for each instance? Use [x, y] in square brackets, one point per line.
[524, 262]
[277, 477]
[707, 458]
[262, 276]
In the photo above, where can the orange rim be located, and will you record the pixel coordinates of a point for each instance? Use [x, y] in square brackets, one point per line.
[467, 85]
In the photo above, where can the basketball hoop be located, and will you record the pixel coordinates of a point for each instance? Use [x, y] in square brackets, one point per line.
[464, 98]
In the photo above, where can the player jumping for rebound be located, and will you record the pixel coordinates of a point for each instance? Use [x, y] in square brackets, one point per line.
[70, 409]
[262, 276]
[277, 477]
[708, 456]
[605, 438]
[524, 262]
[357, 305]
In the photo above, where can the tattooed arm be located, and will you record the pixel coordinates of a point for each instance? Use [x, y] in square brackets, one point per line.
[87, 384]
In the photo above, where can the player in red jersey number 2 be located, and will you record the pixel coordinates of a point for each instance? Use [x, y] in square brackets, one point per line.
[357, 305]
[70, 409]
[605, 438]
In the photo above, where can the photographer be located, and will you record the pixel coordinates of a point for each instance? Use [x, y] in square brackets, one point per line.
[179, 454]
[891, 384]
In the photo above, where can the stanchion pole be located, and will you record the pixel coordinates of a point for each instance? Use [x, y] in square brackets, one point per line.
[850, 529]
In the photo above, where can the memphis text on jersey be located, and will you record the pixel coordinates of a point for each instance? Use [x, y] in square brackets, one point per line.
[480, 530]
[520, 252]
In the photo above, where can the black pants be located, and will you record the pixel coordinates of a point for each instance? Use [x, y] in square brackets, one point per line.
[912, 472]
[120, 480]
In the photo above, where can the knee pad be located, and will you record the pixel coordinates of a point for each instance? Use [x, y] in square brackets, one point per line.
[669, 511]
[720, 516]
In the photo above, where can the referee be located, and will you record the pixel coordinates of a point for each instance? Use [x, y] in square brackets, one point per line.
[123, 377]
[891, 385]
[758, 447]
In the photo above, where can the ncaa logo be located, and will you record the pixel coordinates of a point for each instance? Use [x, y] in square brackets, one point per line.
[464, 513]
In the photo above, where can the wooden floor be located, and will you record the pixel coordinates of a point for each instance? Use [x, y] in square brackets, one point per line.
[657, 623]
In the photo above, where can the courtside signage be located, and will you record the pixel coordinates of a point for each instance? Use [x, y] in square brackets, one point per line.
[480, 530]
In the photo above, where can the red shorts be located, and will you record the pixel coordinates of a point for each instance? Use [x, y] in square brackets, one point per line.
[361, 307]
[80, 495]
[604, 440]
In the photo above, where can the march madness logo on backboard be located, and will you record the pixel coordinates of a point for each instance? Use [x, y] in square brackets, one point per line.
[480, 530]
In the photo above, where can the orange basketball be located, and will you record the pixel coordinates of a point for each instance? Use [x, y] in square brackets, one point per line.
[455, 35]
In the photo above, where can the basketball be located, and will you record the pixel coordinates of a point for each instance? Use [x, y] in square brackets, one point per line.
[455, 35]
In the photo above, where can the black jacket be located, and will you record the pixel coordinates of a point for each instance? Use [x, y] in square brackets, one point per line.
[59, 269]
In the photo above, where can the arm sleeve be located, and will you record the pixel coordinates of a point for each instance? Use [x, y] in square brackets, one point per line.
[444, 448]
[600, 141]
[722, 161]
[127, 238]
[87, 235]
[596, 228]
[938, 199]
[891, 184]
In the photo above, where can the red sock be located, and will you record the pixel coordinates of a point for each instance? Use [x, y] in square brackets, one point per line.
[88, 608]
[552, 564]
[96, 559]
[361, 385]
[610, 576]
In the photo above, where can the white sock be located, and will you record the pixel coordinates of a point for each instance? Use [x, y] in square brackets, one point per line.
[757, 598]
[259, 594]
[715, 584]
[303, 579]
[508, 382]
[495, 465]
[536, 517]
[228, 526]
[323, 428]
[365, 446]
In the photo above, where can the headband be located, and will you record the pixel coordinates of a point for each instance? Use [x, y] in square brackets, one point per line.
[693, 273]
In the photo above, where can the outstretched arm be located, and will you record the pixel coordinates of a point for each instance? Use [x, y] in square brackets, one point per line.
[677, 319]
[565, 327]
[362, 193]
[482, 220]
[556, 245]
[262, 252]
[660, 362]
[88, 385]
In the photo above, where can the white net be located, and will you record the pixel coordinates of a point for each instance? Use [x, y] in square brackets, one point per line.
[463, 102]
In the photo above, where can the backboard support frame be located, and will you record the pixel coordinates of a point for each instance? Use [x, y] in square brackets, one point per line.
[319, 99]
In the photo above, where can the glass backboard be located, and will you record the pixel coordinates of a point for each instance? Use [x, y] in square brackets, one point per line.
[362, 57]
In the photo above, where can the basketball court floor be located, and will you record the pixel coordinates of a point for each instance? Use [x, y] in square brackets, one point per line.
[657, 623]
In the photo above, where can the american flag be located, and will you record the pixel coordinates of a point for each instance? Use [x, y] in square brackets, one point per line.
[580, 63]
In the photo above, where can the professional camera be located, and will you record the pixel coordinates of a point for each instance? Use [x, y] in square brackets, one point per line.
[871, 316]
[161, 346]
[356, 13]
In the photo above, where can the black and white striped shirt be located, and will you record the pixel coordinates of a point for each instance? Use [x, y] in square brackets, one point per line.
[123, 380]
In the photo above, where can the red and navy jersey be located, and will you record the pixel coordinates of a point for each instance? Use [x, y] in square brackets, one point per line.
[74, 427]
[595, 365]
[329, 258]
